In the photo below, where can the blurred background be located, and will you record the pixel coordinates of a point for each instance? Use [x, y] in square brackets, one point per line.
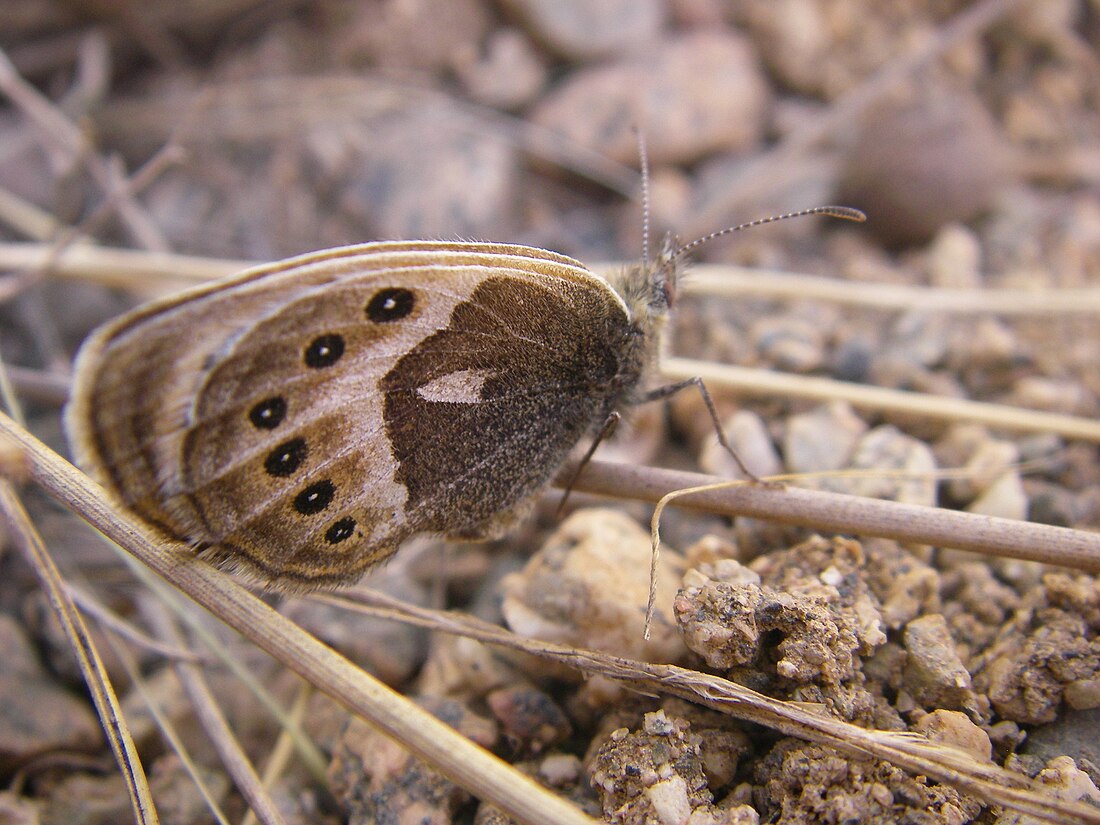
[966, 129]
[306, 124]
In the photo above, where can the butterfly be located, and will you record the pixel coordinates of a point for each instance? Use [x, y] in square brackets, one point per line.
[297, 422]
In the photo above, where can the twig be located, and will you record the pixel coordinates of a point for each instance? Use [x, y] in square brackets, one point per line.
[753, 381]
[737, 282]
[832, 512]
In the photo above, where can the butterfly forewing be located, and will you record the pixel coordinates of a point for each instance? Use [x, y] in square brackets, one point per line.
[302, 419]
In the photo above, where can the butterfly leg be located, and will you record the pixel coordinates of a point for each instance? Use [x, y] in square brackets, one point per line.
[608, 427]
[671, 389]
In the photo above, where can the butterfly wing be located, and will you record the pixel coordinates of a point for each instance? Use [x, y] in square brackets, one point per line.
[301, 420]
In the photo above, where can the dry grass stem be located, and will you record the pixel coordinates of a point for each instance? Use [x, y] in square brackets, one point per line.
[167, 730]
[469, 766]
[111, 621]
[987, 781]
[213, 721]
[76, 631]
[832, 512]
[730, 281]
[756, 382]
[281, 754]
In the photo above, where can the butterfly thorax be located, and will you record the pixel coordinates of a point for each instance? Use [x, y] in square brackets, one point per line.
[649, 290]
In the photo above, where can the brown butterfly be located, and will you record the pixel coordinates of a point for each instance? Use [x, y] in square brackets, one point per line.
[300, 420]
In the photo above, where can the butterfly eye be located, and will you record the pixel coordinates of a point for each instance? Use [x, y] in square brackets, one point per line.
[315, 498]
[324, 351]
[391, 304]
[340, 530]
[269, 413]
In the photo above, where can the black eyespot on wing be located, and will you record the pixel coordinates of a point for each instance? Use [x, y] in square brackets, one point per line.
[269, 413]
[390, 304]
[286, 458]
[315, 498]
[324, 351]
[340, 530]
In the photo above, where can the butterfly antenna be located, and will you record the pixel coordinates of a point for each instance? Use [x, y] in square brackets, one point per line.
[844, 212]
[643, 156]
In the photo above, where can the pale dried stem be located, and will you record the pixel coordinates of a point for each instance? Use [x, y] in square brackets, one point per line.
[832, 512]
[754, 381]
[469, 766]
[213, 721]
[167, 730]
[279, 757]
[984, 780]
[730, 281]
[109, 620]
[56, 129]
[103, 696]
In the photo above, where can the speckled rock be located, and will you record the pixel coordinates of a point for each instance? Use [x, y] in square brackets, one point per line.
[376, 780]
[1063, 778]
[588, 586]
[656, 776]
[801, 632]
[803, 782]
[417, 174]
[583, 30]
[1051, 642]
[707, 87]
[934, 674]
[529, 718]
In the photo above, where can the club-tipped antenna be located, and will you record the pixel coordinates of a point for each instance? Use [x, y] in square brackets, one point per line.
[643, 156]
[844, 212]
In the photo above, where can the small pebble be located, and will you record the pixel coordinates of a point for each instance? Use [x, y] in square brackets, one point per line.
[418, 174]
[1004, 498]
[748, 435]
[788, 343]
[885, 448]
[37, 714]
[582, 30]
[919, 164]
[949, 727]
[588, 585]
[989, 459]
[822, 439]
[707, 87]
[934, 674]
[505, 72]
[955, 258]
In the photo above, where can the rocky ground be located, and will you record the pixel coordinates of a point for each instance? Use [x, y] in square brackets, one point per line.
[966, 130]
